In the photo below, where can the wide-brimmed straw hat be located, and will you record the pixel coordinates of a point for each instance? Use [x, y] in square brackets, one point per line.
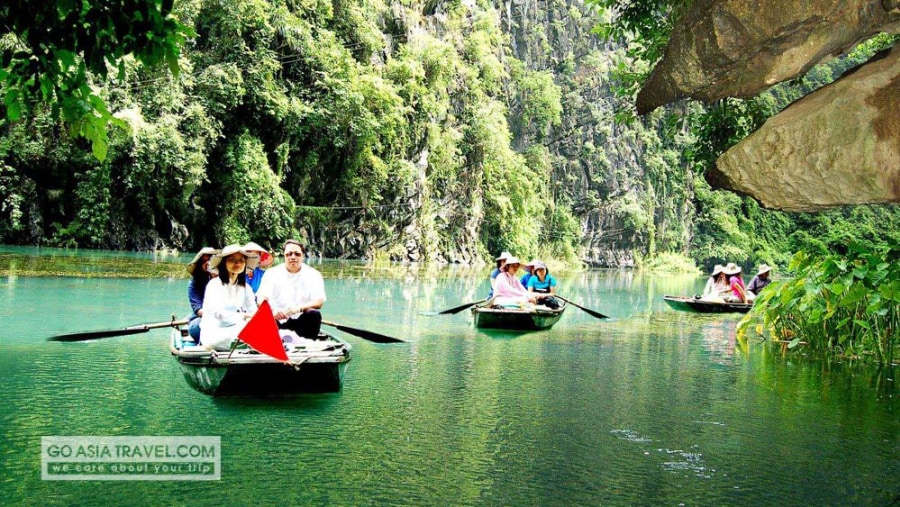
[252, 258]
[732, 269]
[763, 269]
[530, 266]
[718, 269]
[510, 261]
[265, 258]
[503, 256]
[207, 250]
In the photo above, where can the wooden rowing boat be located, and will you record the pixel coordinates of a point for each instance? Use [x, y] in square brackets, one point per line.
[315, 366]
[689, 304]
[527, 319]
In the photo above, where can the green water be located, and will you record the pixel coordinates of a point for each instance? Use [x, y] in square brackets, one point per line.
[653, 407]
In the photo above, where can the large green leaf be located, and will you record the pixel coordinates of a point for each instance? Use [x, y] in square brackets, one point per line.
[856, 293]
[890, 291]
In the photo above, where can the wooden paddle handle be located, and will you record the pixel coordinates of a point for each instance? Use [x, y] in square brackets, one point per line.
[171, 323]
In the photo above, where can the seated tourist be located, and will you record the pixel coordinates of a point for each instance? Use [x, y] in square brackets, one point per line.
[508, 289]
[717, 285]
[759, 282]
[229, 301]
[542, 282]
[738, 293]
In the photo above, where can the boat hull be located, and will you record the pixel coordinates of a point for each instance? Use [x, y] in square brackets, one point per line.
[316, 366]
[688, 304]
[515, 319]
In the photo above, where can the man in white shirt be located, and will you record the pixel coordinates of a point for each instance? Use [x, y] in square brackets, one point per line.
[295, 291]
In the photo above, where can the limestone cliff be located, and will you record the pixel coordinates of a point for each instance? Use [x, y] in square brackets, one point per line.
[840, 145]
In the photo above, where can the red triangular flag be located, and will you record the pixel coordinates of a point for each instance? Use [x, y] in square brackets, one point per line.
[261, 333]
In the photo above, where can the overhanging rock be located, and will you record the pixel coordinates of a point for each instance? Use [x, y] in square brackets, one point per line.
[838, 145]
[738, 48]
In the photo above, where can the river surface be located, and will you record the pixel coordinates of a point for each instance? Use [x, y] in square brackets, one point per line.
[651, 407]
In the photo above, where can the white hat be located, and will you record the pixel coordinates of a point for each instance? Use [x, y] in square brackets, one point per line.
[763, 269]
[503, 256]
[732, 269]
[531, 265]
[265, 258]
[718, 269]
[207, 250]
[510, 261]
[252, 259]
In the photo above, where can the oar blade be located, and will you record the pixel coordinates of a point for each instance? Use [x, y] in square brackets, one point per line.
[590, 312]
[366, 335]
[108, 333]
[460, 308]
[94, 335]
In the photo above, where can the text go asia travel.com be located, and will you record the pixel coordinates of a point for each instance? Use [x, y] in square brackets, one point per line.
[130, 458]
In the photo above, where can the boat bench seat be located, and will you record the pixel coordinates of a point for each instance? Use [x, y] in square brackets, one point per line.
[193, 351]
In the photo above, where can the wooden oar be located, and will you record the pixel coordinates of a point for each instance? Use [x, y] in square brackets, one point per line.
[590, 312]
[362, 333]
[93, 335]
[460, 308]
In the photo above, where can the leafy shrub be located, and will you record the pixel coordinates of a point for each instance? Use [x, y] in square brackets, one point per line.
[254, 206]
[847, 305]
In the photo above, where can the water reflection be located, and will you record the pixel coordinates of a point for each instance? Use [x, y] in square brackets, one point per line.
[719, 341]
[654, 407]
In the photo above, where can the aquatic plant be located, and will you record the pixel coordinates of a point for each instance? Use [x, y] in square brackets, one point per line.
[846, 304]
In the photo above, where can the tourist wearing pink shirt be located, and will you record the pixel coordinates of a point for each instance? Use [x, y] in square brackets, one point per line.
[508, 289]
[738, 291]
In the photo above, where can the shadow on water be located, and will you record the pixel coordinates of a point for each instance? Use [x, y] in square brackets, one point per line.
[294, 402]
[507, 334]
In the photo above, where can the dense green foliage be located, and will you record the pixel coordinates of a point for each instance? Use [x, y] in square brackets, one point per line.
[410, 131]
[847, 304]
[344, 123]
[52, 50]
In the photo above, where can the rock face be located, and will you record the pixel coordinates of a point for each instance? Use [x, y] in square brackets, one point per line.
[737, 48]
[840, 145]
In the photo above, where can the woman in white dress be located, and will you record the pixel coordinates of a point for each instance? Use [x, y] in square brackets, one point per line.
[229, 301]
[716, 286]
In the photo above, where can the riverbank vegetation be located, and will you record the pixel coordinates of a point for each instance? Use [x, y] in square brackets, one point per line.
[846, 304]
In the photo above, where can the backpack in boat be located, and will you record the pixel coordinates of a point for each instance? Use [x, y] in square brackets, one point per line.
[550, 302]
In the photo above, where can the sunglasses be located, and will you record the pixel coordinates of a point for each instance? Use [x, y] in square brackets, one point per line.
[293, 254]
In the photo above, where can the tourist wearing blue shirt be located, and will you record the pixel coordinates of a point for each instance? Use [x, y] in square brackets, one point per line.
[200, 277]
[543, 282]
[529, 272]
[254, 276]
